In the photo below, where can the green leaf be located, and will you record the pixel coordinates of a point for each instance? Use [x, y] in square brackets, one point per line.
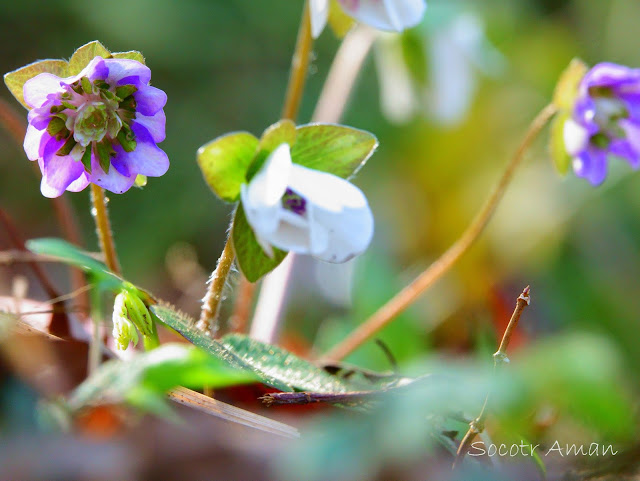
[156, 372]
[338, 20]
[15, 80]
[85, 54]
[73, 255]
[224, 162]
[567, 87]
[561, 159]
[414, 54]
[187, 328]
[336, 149]
[252, 260]
[282, 132]
[131, 55]
[285, 367]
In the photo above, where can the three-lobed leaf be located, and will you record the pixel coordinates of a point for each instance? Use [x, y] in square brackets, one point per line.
[336, 149]
[282, 132]
[83, 55]
[15, 80]
[224, 162]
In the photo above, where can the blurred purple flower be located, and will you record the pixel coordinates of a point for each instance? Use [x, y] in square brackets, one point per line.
[605, 121]
[100, 126]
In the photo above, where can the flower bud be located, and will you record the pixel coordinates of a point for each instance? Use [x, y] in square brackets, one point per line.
[124, 331]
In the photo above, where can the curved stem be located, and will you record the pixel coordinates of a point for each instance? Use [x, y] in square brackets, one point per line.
[211, 300]
[445, 262]
[103, 228]
[299, 67]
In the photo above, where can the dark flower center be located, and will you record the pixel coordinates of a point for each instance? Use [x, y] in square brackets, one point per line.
[294, 202]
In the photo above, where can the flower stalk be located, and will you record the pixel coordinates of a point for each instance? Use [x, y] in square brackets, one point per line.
[446, 261]
[103, 228]
[213, 297]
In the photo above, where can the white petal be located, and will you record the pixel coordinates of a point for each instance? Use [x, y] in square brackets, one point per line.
[32, 141]
[349, 232]
[395, 15]
[39, 87]
[325, 190]
[319, 13]
[575, 136]
[270, 183]
[262, 218]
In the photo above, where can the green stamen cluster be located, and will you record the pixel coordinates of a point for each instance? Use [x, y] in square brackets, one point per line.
[91, 117]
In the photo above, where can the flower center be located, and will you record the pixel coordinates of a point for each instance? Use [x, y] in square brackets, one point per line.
[91, 117]
[294, 202]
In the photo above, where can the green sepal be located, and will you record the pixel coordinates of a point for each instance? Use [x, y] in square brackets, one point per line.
[336, 149]
[86, 85]
[86, 158]
[124, 91]
[282, 132]
[141, 181]
[131, 55]
[85, 54]
[16, 79]
[252, 260]
[104, 151]
[566, 89]
[67, 147]
[224, 162]
[126, 139]
[56, 125]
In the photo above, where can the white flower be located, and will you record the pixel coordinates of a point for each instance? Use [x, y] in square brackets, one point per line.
[392, 15]
[306, 211]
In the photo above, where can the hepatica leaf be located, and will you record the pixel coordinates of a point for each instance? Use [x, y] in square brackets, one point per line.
[282, 132]
[336, 149]
[81, 57]
[15, 80]
[73, 255]
[131, 55]
[276, 363]
[252, 260]
[224, 162]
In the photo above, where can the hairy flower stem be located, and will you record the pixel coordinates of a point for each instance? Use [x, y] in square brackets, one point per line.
[211, 300]
[499, 358]
[293, 98]
[446, 261]
[103, 228]
[62, 208]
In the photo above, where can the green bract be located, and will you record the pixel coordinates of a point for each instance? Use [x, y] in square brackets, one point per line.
[233, 159]
[61, 68]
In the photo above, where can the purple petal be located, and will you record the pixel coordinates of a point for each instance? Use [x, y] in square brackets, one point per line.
[119, 69]
[150, 100]
[34, 142]
[592, 165]
[37, 89]
[58, 171]
[155, 125]
[147, 158]
[114, 181]
[624, 149]
[610, 75]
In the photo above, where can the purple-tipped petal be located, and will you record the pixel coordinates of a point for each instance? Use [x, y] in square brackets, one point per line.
[120, 69]
[58, 171]
[113, 181]
[37, 90]
[149, 100]
[622, 148]
[610, 75]
[592, 165]
[147, 158]
[155, 125]
[34, 142]
[79, 184]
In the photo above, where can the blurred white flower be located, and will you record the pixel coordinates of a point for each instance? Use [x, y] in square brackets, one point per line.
[306, 211]
[455, 51]
[390, 15]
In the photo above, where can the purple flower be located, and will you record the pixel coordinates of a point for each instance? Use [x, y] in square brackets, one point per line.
[99, 126]
[605, 121]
